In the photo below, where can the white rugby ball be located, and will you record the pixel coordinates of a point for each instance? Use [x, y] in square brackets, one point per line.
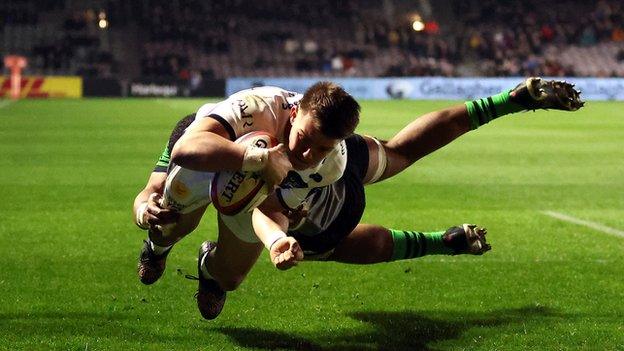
[233, 192]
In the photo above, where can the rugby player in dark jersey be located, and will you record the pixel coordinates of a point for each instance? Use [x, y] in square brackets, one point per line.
[329, 227]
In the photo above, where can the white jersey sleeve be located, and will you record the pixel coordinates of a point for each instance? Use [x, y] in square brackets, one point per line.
[258, 109]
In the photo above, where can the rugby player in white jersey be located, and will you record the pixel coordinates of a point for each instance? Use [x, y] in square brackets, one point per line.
[310, 128]
[329, 227]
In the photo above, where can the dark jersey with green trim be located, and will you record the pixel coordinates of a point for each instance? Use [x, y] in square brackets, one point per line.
[162, 165]
[325, 204]
[163, 161]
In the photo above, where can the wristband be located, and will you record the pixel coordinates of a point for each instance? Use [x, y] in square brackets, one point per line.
[273, 237]
[255, 158]
[140, 212]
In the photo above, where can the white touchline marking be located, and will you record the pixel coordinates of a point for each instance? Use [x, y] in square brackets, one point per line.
[174, 105]
[593, 225]
[5, 103]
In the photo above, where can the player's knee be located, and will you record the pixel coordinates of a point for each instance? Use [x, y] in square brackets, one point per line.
[379, 247]
[380, 242]
[386, 245]
[184, 225]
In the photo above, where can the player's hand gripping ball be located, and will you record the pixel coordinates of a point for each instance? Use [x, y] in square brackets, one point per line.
[234, 192]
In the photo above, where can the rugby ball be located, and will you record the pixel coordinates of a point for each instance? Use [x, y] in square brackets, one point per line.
[234, 192]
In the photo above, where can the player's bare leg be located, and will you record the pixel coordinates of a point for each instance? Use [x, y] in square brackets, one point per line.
[223, 267]
[444, 126]
[369, 243]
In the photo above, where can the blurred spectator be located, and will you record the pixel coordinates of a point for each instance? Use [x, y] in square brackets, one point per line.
[588, 36]
[336, 63]
[310, 46]
[189, 39]
[291, 45]
[618, 34]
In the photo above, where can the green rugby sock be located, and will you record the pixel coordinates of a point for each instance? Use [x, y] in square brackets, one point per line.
[482, 111]
[410, 244]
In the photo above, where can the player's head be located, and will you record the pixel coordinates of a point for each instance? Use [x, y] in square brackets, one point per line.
[179, 129]
[326, 115]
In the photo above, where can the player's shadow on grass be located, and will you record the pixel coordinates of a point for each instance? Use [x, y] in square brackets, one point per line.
[390, 330]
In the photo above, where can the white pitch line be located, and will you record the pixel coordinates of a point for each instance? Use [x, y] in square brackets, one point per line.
[5, 103]
[174, 105]
[593, 225]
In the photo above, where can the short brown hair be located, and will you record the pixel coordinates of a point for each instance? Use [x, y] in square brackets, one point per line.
[336, 111]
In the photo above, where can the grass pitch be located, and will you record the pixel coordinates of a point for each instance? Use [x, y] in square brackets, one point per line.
[71, 169]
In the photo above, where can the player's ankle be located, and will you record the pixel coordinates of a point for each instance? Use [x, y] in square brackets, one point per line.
[205, 273]
[412, 244]
[485, 110]
[157, 248]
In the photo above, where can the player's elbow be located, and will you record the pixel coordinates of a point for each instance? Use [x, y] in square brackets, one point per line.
[182, 154]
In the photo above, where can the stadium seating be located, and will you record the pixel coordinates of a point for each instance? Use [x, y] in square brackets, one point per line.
[180, 40]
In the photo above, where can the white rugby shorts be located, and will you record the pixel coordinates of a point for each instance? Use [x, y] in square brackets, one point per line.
[187, 190]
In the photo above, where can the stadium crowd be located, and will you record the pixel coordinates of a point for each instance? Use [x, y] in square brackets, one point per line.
[514, 39]
[191, 39]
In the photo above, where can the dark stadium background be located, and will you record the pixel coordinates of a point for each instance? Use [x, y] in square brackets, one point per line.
[195, 44]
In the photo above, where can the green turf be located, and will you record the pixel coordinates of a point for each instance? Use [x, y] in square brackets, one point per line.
[68, 247]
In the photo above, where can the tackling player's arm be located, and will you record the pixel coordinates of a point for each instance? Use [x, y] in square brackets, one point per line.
[147, 209]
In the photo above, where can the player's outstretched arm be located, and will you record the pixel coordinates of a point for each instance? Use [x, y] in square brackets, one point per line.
[271, 228]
